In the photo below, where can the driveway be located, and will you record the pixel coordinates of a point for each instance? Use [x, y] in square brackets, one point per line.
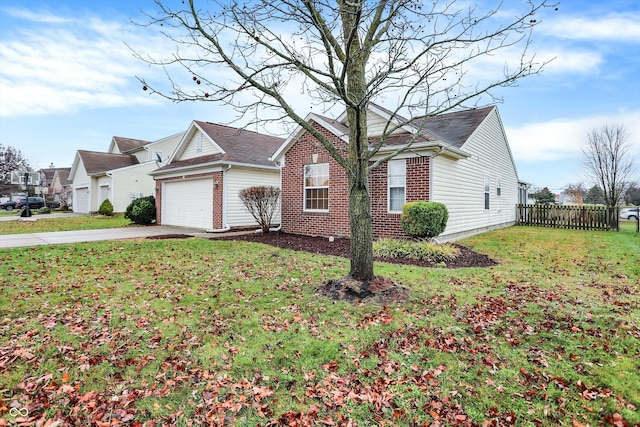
[60, 237]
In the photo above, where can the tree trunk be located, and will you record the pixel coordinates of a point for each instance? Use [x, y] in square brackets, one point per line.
[360, 226]
[360, 229]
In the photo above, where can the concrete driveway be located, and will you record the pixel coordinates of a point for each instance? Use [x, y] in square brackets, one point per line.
[58, 237]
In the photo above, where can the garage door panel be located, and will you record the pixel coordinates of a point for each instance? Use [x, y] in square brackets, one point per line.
[188, 203]
[81, 202]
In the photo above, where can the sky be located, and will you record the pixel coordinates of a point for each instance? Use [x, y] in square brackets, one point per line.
[68, 81]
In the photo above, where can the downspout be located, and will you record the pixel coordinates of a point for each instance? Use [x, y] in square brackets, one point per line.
[224, 211]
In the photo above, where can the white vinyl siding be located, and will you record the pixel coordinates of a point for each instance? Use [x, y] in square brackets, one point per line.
[459, 184]
[396, 184]
[316, 187]
[238, 178]
[191, 148]
[376, 125]
[188, 203]
[131, 181]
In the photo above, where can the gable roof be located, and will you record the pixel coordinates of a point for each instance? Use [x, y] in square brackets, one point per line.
[449, 131]
[126, 145]
[454, 128]
[96, 162]
[63, 176]
[237, 146]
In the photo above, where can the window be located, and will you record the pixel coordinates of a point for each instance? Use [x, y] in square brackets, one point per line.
[498, 188]
[316, 187]
[396, 181]
[486, 192]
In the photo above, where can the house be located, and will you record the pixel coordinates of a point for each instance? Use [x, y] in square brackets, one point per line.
[120, 175]
[61, 187]
[461, 159]
[43, 189]
[200, 184]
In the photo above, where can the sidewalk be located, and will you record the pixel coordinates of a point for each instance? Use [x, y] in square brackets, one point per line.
[58, 237]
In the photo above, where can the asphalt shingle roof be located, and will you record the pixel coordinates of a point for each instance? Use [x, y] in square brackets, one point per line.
[128, 144]
[95, 162]
[240, 146]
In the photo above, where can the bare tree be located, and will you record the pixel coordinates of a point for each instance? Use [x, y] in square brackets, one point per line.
[262, 203]
[428, 57]
[11, 159]
[608, 163]
[575, 193]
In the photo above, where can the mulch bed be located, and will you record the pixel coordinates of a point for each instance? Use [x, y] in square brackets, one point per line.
[340, 247]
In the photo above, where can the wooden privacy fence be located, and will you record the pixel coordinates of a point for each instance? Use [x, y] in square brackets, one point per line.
[577, 217]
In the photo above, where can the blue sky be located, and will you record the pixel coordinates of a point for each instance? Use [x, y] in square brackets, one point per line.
[67, 82]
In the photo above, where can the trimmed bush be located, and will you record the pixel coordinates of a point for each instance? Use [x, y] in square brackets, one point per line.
[44, 210]
[424, 219]
[142, 211]
[262, 203]
[423, 250]
[106, 208]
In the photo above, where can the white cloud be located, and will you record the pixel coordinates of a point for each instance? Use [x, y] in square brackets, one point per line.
[62, 65]
[614, 27]
[564, 138]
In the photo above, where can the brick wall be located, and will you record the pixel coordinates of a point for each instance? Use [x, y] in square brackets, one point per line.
[295, 220]
[218, 200]
[387, 224]
[336, 222]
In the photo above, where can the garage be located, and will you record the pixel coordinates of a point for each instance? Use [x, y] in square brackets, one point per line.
[81, 200]
[188, 203]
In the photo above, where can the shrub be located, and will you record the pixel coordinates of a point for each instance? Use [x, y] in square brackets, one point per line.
[106, 208]
[422, 250]
[262, 203]
[423, 219]
[44, 210]
[142, 211]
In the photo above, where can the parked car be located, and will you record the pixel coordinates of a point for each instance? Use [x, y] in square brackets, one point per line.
[35, 203]
[8, 206]
[630, 213]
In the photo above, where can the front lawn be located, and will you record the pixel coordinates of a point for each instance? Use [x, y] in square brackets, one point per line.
[42, 223]
[203, 332]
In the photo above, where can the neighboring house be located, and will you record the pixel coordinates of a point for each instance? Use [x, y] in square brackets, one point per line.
[461, 159]
[120, 175]
[43, 189]
[200, 184]
[61, 187]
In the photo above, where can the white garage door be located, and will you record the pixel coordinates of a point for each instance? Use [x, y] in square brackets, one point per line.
[188, 203]
[81, 200]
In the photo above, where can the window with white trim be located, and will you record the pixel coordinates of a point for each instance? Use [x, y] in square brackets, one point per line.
[498, 188]
[396, 182]
[316, 187]
[487, 193]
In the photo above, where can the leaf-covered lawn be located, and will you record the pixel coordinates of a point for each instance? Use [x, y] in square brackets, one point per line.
[43, 223]
[200, 332]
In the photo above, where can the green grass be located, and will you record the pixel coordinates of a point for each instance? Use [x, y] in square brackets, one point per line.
[43, 223]
[194, 331]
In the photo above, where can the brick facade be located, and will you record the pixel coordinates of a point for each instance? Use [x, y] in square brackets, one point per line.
[295, 220]
[335, 222]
